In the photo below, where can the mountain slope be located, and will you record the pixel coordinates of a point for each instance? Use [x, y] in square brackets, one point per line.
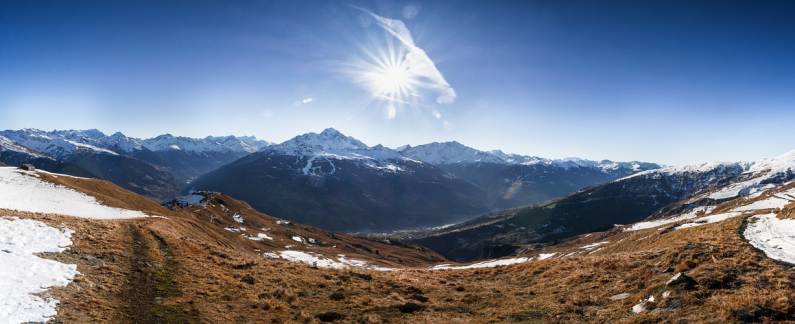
[158, 167]
[622, 201]
[512, 180]
[207, 260]
[338, 183]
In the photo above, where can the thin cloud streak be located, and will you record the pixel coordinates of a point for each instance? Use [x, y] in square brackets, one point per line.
[415, 60]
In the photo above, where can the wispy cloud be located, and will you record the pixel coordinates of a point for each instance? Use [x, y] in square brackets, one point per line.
[421, 71]
[304, 101]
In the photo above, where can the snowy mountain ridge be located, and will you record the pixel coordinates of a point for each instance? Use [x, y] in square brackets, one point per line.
[332, 143]
[749, 177]
[453, 152]
[61, 143]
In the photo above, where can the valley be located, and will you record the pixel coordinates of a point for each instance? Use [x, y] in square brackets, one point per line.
[324, 179]
[208, 257]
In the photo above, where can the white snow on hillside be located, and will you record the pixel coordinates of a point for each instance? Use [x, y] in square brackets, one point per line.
[168, 142]
[24, 191]
[761, 175]
[331, 144]
[714, 218]
[772, 235]
[454, 152]
[321, 261]
[449, 153]
[91, 148]
[714, 167]
[767, 203]
[483, 264]
[25, 277]
[670, 220]
[592, 246]
[8, 145]
[61, 143]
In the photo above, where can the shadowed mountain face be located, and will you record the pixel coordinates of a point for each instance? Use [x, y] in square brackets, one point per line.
[327, 179]
[347, 195]
[513, 185]
[337, 182]
[620, 202]
[158, 167]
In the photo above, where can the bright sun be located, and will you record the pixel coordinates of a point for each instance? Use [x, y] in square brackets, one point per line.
[392, 81]
[387, 75]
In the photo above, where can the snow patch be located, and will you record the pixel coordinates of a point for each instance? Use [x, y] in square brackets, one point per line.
[709, 219]
[772, 235]
[321, 261]
[25, 276]
[483, 264]
[26, 193]
[544, 256]
[659, 222]
[260, 237]
[768, 203]
[593, 246]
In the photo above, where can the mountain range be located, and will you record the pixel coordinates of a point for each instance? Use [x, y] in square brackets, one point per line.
[718, 245]
[336, 182]
[650, 194]
[158, 167]
[324, 179]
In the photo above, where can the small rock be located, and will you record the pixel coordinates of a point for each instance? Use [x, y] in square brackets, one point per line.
[681, 280]
[330, 316]
[409, 308]
[619, 296]
[337, 296]
[419, 297]
[248, 279]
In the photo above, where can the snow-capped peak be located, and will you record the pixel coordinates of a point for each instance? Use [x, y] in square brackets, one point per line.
[9, 145]
[329, 145]
[329, 142]
[747, 177]
[168, 142]
[60, 143]
[449, 153]
[454, 152]
[692, 168]
[782, 163]
[56, 143]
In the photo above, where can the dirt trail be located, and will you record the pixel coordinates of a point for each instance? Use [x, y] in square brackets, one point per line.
[153, 293]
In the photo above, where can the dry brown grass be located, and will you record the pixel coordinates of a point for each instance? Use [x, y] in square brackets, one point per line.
[735, 283]
[218, 277]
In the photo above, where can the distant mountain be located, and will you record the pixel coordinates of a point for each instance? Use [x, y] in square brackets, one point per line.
[337, 182]
[327, 179]
[512, 180]
[157, 167]
[447, 153]
[626, 200]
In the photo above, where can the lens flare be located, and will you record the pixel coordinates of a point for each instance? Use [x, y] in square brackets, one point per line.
[386, 75]
[398, 71]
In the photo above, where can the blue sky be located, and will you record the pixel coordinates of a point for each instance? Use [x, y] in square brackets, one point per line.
[664, 81]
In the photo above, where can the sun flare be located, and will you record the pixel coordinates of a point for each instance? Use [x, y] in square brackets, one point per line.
[392, 80]
[387, 75]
